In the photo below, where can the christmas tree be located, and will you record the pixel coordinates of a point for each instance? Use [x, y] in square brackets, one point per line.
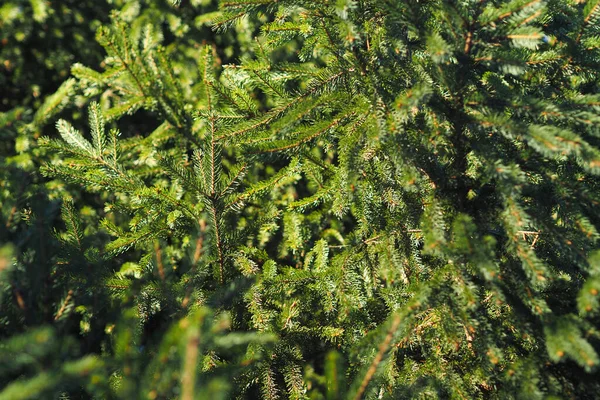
[299, 199]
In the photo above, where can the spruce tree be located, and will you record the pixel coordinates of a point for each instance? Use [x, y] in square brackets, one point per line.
[376, 199]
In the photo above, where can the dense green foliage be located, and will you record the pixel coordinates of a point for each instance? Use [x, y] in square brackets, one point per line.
[301, 199]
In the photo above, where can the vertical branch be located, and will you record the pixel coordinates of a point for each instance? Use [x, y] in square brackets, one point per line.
[125, 62]
[212, 153]
[199, 242]
[159, 263]
[147, 91]
[213, 178]
[188, 378]
[215, 218]
[197, 255]
[383, 348]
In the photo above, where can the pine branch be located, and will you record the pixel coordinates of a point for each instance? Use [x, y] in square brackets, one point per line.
[275, 113]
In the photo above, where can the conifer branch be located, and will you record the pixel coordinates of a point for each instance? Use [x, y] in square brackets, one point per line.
[243, 3]
[233, 181]
[125, 64]
[383, 348]
[63, 307]
[511, 12]
[195, 260]
[275, 113]
[447, 150]
[223, 22]
[308, 138]
[13, 209]
[188, 377]
[219, 243]
[587, 19]
[159, 261]
[225, 95]
[212, 196]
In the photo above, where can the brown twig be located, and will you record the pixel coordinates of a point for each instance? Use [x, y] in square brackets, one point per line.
[62, 309]
[383, 347]
[159, 263]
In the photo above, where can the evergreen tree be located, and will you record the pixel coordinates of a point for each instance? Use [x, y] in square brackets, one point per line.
[378, 199]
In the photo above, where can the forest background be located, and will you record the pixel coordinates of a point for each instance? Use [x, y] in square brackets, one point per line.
[299, 199]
